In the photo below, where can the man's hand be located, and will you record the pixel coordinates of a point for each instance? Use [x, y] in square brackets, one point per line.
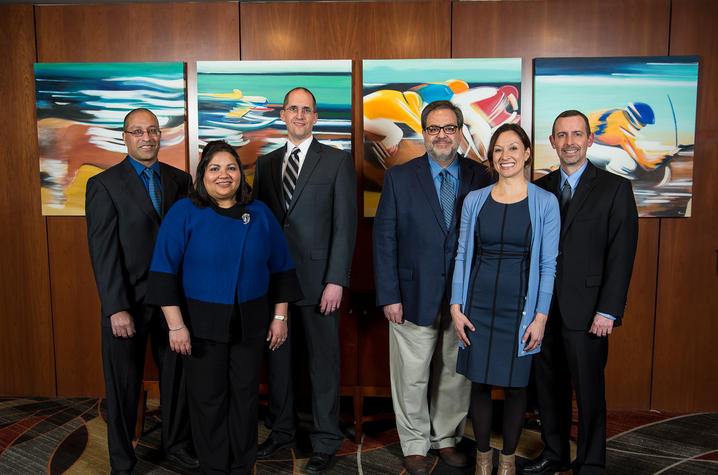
[123, 325]
[601, 326]
[394, 312]
[331, 298]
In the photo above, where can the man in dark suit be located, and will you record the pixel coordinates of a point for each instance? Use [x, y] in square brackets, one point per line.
[599, 231]
[415, 238]
[124, 208]
[311, 189]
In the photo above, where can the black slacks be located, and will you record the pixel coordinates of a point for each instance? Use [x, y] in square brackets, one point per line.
[123, 363]
[321, 333]
[222, 387]
[568, 355]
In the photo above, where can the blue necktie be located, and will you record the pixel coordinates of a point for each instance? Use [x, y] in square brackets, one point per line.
[154, 190]
[447, 197]
[565, 198]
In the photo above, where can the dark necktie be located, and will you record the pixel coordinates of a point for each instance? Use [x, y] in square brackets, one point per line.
[291, 172]
[447, 197]
[153, 190]
[565, 198]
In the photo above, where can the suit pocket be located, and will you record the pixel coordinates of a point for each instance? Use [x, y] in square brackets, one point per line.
[406, 274]
[318, 254]
[593, 280]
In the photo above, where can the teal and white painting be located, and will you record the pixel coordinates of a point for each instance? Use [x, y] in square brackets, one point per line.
[240, 101]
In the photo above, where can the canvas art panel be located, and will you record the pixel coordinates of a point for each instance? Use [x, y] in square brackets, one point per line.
[240, 102]
[642, 111]
[80, 113]
[395, 92]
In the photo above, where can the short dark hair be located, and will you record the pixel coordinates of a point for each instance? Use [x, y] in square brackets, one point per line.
[571, 113]
[129, 114]
[518, 130]
[437, 105]
[286, 96]
[199, 194]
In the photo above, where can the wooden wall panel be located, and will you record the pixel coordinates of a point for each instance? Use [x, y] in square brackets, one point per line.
[568, 28]
[113, 33]
[356, 30]
[27, 365]
[684, 370]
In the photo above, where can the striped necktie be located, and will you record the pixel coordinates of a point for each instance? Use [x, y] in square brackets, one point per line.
[447, 197]
[291, 172]
[153, 190]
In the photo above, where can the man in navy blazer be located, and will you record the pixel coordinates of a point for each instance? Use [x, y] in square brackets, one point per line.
[415, 238]
[599, 232]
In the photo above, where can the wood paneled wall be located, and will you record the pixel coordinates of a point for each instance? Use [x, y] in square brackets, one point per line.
[49, 319]
[27, 364]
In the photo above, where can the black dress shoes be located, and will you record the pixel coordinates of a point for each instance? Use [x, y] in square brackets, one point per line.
[319, 462]
[543, 465]
[184, 458]
[269, 447]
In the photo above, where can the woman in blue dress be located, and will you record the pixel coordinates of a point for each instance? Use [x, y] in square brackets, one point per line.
[502, 287]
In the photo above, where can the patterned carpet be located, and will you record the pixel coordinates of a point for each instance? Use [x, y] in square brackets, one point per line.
[40, 435]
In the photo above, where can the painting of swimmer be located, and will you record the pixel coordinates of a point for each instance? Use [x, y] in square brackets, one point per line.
[642, 111]
[396, 91]
[80, 110]
[240, 101]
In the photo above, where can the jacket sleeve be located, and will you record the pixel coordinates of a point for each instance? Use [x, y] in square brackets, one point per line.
[105, 251]
[344, 224]
[457, 283]
[621, 250]
[386, 267]
[164, 286]
[551, 232]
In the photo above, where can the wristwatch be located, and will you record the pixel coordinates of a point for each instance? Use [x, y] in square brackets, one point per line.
[280, 317]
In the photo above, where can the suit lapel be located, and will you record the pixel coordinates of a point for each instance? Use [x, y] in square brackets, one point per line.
[137, 192]
[466, 179]
[310, 163]
[426, 183]
[169, 188]
[585, 185]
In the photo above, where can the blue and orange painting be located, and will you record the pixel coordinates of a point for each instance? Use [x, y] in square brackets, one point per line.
[80, 113]
[395, 93]
[642, 111]
[240, 102]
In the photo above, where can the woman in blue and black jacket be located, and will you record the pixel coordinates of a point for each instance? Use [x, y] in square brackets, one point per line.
[222, 273]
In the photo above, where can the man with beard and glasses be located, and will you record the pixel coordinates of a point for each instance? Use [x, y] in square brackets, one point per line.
[415, 237]
[599, 231]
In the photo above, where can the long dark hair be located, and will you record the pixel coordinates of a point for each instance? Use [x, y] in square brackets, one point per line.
[199, 195]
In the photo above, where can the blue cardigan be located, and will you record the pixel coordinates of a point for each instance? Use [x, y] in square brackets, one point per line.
[210, 260]
[545, 233]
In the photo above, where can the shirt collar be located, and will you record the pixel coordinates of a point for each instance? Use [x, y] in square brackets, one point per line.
[435, 168]
[303, 147]
[574, 177]
[139, 167]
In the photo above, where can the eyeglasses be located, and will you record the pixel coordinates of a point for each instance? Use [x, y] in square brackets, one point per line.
[137, 133]
[435, 129]
[296, 110]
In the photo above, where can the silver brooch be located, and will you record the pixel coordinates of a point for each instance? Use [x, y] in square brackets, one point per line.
[245, 218]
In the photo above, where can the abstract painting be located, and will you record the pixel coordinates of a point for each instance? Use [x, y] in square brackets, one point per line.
[396, 91]
[642, 111]
[240, 101]
[80, 112]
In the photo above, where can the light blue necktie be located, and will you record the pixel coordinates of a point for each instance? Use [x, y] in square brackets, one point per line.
[447, 197]
[154, 190]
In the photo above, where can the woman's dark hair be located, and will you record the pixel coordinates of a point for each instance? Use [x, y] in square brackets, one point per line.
[515, 128]
[199, 195]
